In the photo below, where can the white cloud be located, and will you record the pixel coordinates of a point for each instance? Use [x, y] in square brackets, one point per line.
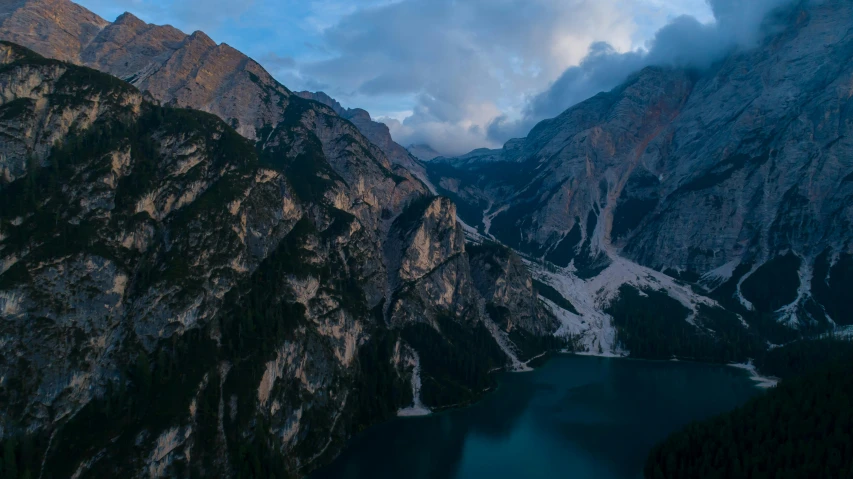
[470, 72]
[683, 42]
[467, 63]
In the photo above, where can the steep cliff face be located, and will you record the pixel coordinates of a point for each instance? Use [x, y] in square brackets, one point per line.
[149, 253]
[179, 299]
[60, 29]
[431, 275]
[718, 176]
[512, 299]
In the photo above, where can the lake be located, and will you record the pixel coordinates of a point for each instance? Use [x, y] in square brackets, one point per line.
[576, 416]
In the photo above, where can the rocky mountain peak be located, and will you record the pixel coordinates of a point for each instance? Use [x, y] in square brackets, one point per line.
[323, 98]
[130, 20]
[422, 152]
[360, 115]
[57, 29]
[200, 36]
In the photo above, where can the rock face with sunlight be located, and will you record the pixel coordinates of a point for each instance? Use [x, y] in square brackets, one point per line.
[203, 290]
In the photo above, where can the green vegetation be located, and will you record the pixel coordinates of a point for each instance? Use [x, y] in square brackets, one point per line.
[763, 324]
[16, 108]
[774, 284]
[530, 345]
[802, 428]
[22, 53]
[509, 225]
[653, 325]
[452, 374]
[412, 215]
[726, 168]
[639, 198]
[629, 213]
[590, 263]
[470, 210]
[567, 248]
[832, 286]
[548, 292]
[146, 395]
[805, 356]
[153, 392]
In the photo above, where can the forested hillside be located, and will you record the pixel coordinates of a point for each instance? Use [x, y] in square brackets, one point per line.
[803, 428]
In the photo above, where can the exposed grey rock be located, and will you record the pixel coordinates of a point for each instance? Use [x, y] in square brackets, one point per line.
[689, 172]
[142, 245]
[375, 131]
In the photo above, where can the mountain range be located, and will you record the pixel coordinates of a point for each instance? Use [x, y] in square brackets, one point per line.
[203, 272]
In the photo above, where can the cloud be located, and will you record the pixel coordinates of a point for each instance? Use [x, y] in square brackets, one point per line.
[472, 73]
[462, 62]
[683, 42]
[273, 60]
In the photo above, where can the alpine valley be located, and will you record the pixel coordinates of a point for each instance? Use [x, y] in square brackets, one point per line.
[205, 274]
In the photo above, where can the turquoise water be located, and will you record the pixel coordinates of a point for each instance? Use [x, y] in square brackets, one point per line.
[581, 417]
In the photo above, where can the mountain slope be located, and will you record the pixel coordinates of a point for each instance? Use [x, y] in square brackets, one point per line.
[729, 178]
[177, 297]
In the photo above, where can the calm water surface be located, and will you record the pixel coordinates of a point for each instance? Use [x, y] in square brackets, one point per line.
[581, 417]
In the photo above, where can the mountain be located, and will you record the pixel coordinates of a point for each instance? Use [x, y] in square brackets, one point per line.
[233, 291]
[423, 152]
[736, 180]
[175, 68]
[375, 131]
[203, 273]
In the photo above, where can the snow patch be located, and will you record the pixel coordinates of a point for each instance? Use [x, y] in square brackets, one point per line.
[788, 313]
[503, 342]
[469, 230]
[763, 382]
[487, 218]
[417, 408]
[593, 328]
[743, 301]
[714, 278]
[10, 302]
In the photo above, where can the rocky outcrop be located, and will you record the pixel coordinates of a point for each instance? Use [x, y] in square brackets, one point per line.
[507, 285]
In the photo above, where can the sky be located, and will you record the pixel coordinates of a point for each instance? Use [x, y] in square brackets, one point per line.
[461, 74]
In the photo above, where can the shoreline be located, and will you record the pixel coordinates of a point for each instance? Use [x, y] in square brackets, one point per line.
[763, 382]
